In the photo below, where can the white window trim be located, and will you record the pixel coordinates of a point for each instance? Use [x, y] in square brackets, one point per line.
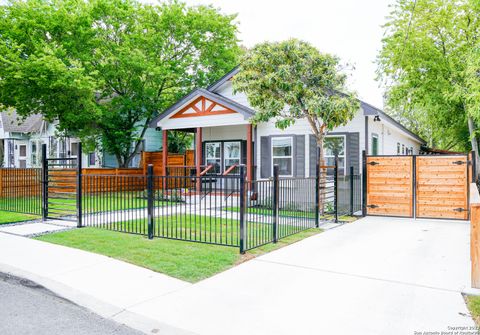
[71, 147]
[378, 143]
[344, 156]
[225, 157]
[219, 159]
[291, 155]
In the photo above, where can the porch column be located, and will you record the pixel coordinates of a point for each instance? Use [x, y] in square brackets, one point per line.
[198, 155]
[164, 151]
[164, 157]
[249, 153]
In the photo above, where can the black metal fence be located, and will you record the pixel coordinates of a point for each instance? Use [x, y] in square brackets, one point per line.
[209, 208]
[21, 190]
[216, 209]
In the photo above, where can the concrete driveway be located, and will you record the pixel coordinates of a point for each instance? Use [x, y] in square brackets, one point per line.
[374, 276]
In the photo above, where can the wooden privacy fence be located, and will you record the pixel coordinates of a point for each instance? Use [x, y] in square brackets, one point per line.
[156, 158]
[20, 182]
[27, 182]
[389, 186]
[475, 235]
[417, 186]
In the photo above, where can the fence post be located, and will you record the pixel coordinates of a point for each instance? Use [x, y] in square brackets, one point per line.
[242, 210]
[474, 167]
[150, 196]
[364, 183]
[317, 195]
[79, 186]
[276, 193]
[335, 189]
[44, 183]
[352, 185]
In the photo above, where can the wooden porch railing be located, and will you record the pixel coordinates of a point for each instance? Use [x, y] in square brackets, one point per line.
[230, 169]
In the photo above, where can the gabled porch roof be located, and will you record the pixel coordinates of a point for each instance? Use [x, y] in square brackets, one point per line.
[199, 92]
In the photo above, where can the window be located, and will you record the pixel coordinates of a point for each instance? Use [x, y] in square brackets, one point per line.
[231, 154]
[33, 153]
[23, 151]
[11, 154]
[74, 149]
[398, 149]
[62, 148]
[374, 144]
[213, 156]
[334, 145]
[403, 149]
[52, 147]
[282, 155]
[91, 159]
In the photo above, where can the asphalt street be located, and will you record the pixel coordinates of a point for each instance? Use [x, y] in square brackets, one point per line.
[28, 308]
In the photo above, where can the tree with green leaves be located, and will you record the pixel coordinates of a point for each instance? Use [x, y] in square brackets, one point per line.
[292, 80]
[179, 141]
[105, 68]
[423, 64]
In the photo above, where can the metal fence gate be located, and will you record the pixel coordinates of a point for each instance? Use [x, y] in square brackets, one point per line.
[417, 186]
[62, 187]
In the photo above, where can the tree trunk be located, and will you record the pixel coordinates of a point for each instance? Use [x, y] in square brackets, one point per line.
[473, 139]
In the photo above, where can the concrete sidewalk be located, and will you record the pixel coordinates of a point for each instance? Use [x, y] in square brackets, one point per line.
[374, 276]
[105, 285]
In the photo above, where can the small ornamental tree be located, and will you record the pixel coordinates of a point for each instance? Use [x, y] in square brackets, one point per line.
[291, 80]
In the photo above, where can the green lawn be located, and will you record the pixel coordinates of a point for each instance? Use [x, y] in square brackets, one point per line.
[188, 261]
[91, 203]
[473, 304]
[210, 229]
[10, 217]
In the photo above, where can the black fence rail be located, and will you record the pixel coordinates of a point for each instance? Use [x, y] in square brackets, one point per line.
[216, 209]
[205, 211]
[222, 209]
[115, 202]
[21, 190]
[349, 194]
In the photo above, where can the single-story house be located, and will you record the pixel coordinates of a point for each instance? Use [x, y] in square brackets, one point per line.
[224, 136]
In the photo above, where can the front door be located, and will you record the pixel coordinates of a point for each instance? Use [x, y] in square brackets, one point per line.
[231, 155]
[223, 155]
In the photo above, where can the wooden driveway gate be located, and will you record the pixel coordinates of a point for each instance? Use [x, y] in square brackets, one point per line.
[417, 186]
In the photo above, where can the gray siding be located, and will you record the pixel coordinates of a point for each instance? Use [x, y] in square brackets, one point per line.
[265, 161]
[353, 152]
[313, 155]
[299, 153]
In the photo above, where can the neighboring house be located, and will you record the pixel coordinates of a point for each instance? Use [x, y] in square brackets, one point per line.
[152, 141]
[22, 141]
[224, 137]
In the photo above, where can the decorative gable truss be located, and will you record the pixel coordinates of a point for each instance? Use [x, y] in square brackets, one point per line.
[202, 107]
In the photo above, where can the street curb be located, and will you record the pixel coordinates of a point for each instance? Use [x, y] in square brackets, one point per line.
[105, 310]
